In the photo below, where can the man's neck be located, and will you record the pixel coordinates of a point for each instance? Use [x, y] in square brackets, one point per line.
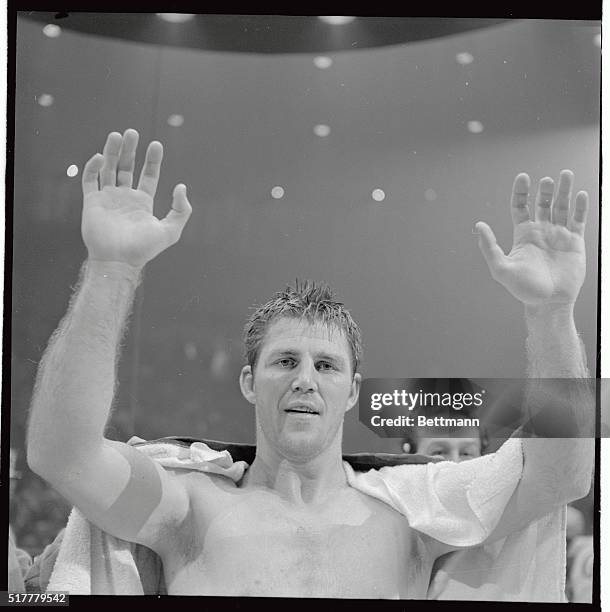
[300, 482]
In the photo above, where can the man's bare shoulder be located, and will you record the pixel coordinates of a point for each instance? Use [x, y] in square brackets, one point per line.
[198, 483]
[208, 494]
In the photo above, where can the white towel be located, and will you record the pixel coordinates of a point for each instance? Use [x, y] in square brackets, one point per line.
[460, 504]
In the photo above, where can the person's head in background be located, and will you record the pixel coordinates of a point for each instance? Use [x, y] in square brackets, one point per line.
[451, 443]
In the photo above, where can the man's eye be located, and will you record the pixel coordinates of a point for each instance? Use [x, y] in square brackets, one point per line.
[286, 363]
[438, 453]
[324, 365]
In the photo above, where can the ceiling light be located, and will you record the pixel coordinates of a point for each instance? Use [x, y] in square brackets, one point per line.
[336, 19]
[378, 195]
[72, 171]
[322, 61]
[45, 99]
[321, 130]
[277, 192]
[475, 127]
[175, 120]
[464, 58]
[190, 351]
[176, 17]
[430, 195]
[51, 30]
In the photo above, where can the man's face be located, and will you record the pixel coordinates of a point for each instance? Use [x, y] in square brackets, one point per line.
[452, 449]
[302, 386]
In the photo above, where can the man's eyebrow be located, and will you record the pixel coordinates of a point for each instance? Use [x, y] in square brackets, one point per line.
[283, 352]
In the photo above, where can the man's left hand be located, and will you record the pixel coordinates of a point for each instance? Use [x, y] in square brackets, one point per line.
[546, 265]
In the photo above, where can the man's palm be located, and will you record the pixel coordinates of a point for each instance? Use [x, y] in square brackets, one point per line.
[546, 264]
[118, 222]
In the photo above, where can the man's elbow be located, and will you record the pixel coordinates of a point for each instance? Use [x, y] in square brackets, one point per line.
[40, 461]
[581, 477]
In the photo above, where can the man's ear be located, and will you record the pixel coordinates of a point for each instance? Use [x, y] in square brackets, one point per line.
[354, 392]
[246, 384]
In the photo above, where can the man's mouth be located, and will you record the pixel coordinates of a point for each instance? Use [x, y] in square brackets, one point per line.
[302, 410]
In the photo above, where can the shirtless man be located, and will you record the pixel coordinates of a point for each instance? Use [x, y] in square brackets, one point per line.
[292, 526]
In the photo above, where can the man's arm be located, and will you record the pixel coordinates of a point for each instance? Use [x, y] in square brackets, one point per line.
[545, 270]
[114, 485]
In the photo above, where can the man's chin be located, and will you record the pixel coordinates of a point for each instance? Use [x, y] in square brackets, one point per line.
[300, 446]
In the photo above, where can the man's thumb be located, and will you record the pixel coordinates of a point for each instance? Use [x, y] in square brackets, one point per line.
[493, 254]
[181, 211]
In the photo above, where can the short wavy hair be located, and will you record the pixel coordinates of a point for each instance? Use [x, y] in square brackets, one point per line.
[310, 301]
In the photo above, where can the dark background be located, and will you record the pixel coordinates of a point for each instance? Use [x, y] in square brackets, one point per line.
[408, 267]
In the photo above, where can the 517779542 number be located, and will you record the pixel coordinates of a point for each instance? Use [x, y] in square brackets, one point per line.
[34, 599]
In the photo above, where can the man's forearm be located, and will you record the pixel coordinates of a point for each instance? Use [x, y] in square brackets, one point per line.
[555, 351]
[76, 378]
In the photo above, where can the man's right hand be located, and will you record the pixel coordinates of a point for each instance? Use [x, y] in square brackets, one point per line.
[118, 224]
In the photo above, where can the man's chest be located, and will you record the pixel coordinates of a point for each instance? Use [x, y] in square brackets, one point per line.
[354, 546]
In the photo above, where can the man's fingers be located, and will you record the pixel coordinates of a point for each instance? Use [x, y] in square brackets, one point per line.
[561, 205]
[544, 198]
[179, 214]
[519, 209]
[90, 173]
[127, 158]
[111, 152]
[579, 216]
[149, 178]
[493, 254]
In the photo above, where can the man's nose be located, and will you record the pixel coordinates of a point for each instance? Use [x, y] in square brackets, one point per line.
[454, 455]
[305, 378]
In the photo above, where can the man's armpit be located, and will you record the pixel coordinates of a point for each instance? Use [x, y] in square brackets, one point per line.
[141, 495]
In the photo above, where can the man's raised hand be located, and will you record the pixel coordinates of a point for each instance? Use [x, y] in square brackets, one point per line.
[118, 224]
[546, 265]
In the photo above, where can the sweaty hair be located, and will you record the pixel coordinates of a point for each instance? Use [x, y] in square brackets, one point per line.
[309, 301]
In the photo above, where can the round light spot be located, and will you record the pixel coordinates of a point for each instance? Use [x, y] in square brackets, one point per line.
[322, 62]
[175, 17]
[430, 195]
[51, 30]
[45, 99]
[190, 351]
[597, 40]
[321, 130]
[220, 365]
[72, 170]
[464, 58]
[175, 120]
[277, 192]
[475, 127]
[336, 19]
[378, 195]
